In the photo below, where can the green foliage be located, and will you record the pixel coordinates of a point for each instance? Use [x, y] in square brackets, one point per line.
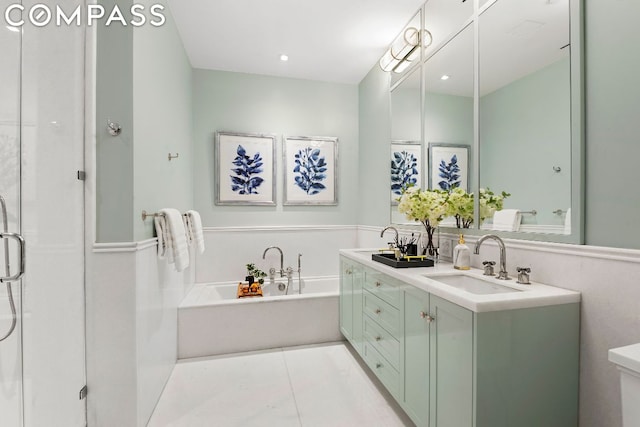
[257, 274]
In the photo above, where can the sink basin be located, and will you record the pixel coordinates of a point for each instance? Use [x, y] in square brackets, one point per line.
[472, 284]
[390, 259]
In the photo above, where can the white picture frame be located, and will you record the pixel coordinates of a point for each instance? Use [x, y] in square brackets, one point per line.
[310, 170]
[245, 169]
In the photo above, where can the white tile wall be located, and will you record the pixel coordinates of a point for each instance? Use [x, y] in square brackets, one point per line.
[230, 248]
[132, 303]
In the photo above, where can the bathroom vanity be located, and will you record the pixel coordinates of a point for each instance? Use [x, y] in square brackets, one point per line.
[461, 349]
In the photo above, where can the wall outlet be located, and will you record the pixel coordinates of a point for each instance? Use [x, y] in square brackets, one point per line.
[446, 248]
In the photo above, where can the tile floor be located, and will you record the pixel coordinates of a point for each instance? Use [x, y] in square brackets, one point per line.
[313, 386]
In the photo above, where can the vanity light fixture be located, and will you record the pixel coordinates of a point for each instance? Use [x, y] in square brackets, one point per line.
[404, 50]
[284, 58]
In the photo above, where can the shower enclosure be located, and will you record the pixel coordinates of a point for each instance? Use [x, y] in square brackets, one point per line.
[42, 361]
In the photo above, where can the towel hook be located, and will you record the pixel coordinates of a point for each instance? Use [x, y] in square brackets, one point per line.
[171, 157]
[557, 169]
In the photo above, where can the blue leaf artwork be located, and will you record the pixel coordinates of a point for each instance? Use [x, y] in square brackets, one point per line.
[247, 168]
[310, 170]
[450, 174]
[404, 171]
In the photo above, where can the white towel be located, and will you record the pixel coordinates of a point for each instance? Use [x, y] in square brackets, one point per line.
[567, 222]
[177, 249]
[507, 220]
[161, 231]
[193, 223]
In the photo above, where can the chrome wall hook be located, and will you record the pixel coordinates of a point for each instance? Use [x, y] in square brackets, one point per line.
[113, 128]
[557, 169]
[171, 157]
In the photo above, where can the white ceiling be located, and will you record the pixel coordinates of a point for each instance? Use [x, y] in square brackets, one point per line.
[326, 40]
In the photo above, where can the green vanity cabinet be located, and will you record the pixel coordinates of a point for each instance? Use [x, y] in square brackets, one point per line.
[351, 302]
[448, 366]
[416, 355]
[451, 364]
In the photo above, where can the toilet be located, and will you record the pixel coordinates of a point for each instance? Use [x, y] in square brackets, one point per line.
[628, 361]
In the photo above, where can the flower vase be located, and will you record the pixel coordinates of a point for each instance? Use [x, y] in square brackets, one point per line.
[430, 248]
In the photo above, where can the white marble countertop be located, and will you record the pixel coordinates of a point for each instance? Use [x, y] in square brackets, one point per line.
[533, 295]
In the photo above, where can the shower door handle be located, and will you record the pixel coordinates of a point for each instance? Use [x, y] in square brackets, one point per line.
[21, 253]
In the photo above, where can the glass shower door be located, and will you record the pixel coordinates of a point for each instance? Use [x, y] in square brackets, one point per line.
[10, 347]
[42, 364]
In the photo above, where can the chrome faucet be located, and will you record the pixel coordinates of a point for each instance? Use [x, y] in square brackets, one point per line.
[391, 228]
[502, 275]
[264, 254]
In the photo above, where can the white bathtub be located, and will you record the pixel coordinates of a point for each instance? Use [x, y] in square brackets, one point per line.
[212, 320]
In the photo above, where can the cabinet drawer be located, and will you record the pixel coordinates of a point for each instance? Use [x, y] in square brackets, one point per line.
[383, 313]
[383, 287]
[383, 369]
[387, 345]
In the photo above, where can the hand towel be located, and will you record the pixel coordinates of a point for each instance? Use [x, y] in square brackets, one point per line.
[567, 222]
[194, 229]
[178, 250]
[161, 231]
[507, 220]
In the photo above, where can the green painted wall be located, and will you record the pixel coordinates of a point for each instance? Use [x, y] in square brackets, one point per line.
[612, 125]
[143, 78]
[284, 107]
[114, 155]
[375, 136]
[525, 132]
[162, 116]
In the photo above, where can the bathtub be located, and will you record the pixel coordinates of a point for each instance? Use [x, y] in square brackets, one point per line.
[212, 320]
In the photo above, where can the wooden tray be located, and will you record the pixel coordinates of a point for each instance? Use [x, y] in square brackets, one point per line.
[245, 290]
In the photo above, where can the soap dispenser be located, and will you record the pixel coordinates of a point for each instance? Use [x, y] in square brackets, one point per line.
[461, 256]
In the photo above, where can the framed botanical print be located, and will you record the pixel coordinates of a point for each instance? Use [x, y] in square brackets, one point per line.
[310, 170]
[406, 167]
[448, 166]
[245, 169]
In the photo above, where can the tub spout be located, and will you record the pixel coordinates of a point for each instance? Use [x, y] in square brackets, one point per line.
[264, 254]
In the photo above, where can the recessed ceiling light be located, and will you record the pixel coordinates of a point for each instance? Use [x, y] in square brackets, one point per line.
[14, 29]
[444, 77]
[284, 58]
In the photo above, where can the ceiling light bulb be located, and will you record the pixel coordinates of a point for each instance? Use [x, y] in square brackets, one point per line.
[445, 77]
[284, 58]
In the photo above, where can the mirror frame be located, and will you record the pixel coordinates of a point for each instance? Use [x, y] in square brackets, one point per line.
[577, 126]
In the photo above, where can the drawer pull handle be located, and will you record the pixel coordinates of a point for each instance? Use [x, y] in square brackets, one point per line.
[378, 311]
[378, 284]
[427, 317]
[378, 338]
[378, 365]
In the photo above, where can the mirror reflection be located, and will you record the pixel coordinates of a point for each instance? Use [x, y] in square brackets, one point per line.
[525, 113]
[448, 121]
[407, 163]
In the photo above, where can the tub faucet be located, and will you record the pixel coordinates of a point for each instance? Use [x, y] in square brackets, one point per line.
[502, 275]
[391, 228]
[264, 254]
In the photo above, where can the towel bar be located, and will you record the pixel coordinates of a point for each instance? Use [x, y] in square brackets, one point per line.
[531, 212]
[146, 215]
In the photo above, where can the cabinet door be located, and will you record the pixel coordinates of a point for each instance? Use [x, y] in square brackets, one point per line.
[357, 277]
[451, 364]
[416, 356]
[346, 299]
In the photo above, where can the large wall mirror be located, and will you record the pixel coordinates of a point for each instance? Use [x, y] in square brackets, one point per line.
[502, 85]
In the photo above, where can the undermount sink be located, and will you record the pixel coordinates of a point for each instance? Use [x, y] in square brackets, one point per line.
[471, 284]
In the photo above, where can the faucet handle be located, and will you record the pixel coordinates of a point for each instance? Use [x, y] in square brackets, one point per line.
[488, 267]
[523, 275]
